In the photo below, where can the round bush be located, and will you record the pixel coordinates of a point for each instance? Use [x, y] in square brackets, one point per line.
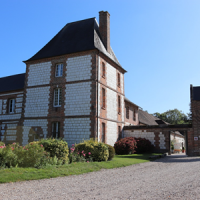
[1, 144]
[7, 157]
[56, 147]
[31, 155]
[111, 152]
[144, 145]
[91, 148]
[125, 146]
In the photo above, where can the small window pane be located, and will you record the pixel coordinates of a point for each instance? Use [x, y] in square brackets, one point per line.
[57, 97]
[11, 105]
[56, 129]
[59, 70]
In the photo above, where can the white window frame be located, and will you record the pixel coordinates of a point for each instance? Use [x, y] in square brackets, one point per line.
[11, 106]
[59, 70]
[57, 97]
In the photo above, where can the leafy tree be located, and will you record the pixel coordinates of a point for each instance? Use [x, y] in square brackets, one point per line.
[174, 117]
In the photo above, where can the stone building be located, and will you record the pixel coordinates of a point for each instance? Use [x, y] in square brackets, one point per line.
[194, 138]
[73, 88]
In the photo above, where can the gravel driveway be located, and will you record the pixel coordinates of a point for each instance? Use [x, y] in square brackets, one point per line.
[172, 177]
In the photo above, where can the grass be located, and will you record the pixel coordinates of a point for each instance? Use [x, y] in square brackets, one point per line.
[22, 174]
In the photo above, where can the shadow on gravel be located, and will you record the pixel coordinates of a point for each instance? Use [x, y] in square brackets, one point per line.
[178, 158]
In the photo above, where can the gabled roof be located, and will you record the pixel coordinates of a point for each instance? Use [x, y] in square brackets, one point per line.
[148, 119]
[75, 37]
[125, 99]
[10, 83]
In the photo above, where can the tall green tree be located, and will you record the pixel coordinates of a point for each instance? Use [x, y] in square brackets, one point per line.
[173, 117]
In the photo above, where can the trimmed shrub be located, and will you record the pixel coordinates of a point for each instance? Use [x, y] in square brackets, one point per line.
[143, 145]
[56, 147]
[32, 155]
[111, 151]
[1, 144]
[7, 157]
[77, 156]
[92, 149]
[125, 146]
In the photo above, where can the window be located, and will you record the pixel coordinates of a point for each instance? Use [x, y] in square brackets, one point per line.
[127, 112]
[119, 104]
[103, 98]
[134, 115]
[56, 129]
[59, 70]
[103, 132]
[57, 97]
[11, 105]
[103, 70]
[119, 132]
[118, 79]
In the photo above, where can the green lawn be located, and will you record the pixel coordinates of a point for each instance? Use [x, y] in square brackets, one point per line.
[22, 174]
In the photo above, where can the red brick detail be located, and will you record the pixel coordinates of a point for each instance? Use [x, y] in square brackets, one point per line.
[104, 28]
[132, 109]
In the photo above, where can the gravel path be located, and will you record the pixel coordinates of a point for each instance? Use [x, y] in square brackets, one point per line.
[172, 177]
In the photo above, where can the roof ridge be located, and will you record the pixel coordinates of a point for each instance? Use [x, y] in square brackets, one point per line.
[81, 20]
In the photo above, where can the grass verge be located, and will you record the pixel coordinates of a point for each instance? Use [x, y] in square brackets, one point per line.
[24, 174]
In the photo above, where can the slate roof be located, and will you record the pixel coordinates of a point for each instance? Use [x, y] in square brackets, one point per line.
[10, 83]
[125, 99]
[148, 119]
[75, 37]
[196, 93]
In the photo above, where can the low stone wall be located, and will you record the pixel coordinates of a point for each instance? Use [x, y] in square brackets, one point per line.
[160, 140]
[160, 136]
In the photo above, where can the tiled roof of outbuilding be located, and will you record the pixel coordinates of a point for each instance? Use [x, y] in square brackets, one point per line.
[10, 83]
[148, 119]
[75, 37]
[125, 99]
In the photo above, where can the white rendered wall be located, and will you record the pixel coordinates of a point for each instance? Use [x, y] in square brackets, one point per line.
[4, 115]
[138, 133]
[37, 100]
[122, 82]
[99, 101]
[39, 74]
[33, 123]
[79, 68]
[112, 133]
[77, 99]
[162, 141]
[111, 76]
[122, 108]
[10, 133]
[10, 116]
[111, 100]
[76, 129]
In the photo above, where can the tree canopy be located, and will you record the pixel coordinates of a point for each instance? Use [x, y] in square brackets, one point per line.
[174, 117]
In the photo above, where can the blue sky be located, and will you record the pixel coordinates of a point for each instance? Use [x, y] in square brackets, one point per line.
[156, 41]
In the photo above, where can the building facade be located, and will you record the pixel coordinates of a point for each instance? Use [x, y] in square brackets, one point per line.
[73, 88]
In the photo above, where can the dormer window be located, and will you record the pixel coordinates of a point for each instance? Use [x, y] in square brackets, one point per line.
[11, 105]
[59, 70]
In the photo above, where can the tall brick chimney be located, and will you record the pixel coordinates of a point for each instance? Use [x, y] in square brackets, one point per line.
[104, 28]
